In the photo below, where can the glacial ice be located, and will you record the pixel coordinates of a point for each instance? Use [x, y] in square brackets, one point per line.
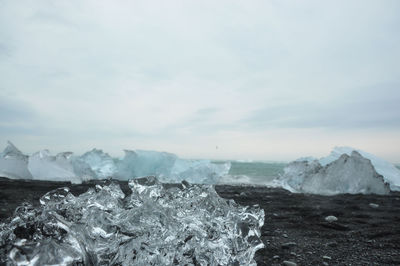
[347, 174]
[101, 163]
[169, 168]
[44, 166]
[390, 173]
[154, 225]
[142, 163]
[97, 164]
[199, 171]
[13, 163]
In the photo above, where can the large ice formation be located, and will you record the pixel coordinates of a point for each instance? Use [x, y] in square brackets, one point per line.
[142, 163]
[96, 164]
[169, 168]
[346, 174]
[199, 171]
[390, 173]
[182, 225]
[13, 163]
[44, 166]
[101, 163]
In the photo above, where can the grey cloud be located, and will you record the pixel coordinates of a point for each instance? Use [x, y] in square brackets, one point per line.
[12, 110]
[371, 107]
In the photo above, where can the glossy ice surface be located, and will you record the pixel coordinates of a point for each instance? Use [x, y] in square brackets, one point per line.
[154, 225]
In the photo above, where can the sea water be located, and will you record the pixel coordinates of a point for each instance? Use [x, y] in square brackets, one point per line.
[256, 173]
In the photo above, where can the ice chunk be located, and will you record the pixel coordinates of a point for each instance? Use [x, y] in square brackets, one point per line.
[347, 174]
[44, 166]
[198, 171]
[101, 163]
[143, 163]
[13, 163]
[187, 225]
[390, 173]
[169, 168]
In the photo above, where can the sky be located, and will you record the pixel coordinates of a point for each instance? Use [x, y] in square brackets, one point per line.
[261, 80]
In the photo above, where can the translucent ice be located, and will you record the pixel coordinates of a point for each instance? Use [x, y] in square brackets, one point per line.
[44, 166]
[142, 163]
[186, 225]
[198, 171]
[169, 168]
[347, 174]
[101, 163]
[13, 163]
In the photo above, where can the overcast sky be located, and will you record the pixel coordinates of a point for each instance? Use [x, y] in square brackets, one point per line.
[262, 80]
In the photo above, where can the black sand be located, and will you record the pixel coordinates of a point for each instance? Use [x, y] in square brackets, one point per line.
[295, 228]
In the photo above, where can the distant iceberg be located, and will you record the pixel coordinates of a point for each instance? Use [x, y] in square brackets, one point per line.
[44, 166]
[13, 163]
[390, 173]
[96, 164]
[101, 163]
[345, 170]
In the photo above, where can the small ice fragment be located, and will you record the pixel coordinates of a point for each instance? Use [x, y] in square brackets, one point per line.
[331, 218]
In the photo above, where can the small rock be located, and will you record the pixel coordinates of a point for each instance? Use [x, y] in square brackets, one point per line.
[332, 244]
[288, 245]
[289, 263]
[293, 254]
[373, 205]
[242, 194]
[326, 257]
[331, 218]
[275, 214]
[275, 257]
[285, 235]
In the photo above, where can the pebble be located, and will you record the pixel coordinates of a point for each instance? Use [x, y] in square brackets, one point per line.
[275, 257]
[373, 205]
[326, 257]
[331, 218]
[285, 235]
[288, 245]
[289, 263]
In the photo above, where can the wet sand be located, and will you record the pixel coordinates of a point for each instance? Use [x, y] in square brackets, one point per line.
[295, 229]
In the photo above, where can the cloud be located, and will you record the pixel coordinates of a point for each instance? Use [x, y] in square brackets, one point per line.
[152, 74]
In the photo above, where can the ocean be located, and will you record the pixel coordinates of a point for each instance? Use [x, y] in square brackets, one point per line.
[257, 173]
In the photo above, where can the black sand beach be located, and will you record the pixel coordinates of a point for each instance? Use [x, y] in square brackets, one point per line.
[295, 229]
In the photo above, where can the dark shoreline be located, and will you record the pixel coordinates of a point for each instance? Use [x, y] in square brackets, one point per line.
[294, 230]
